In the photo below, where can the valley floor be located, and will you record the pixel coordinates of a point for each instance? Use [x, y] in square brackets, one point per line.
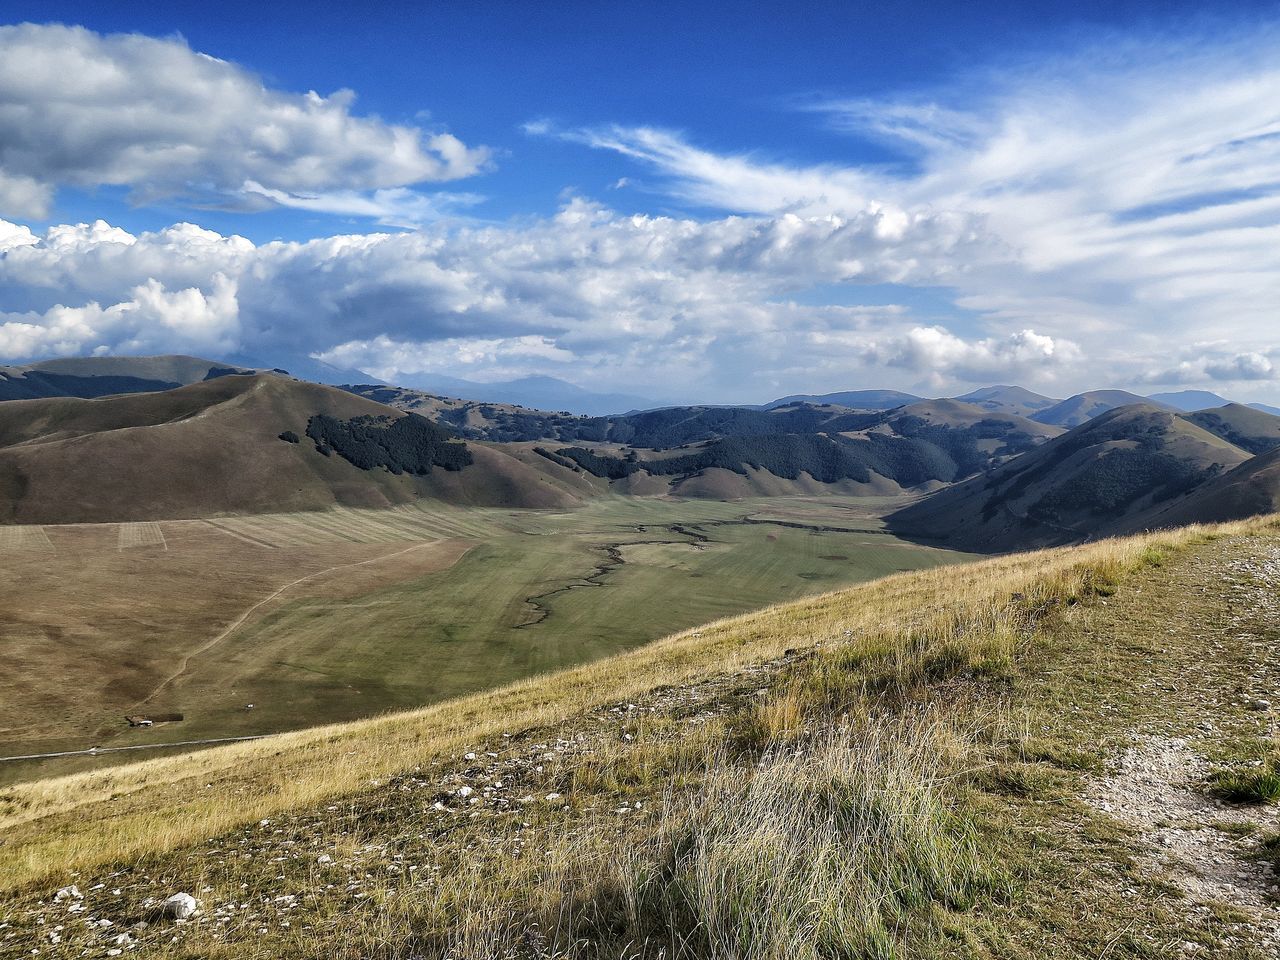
[319, 617]
[1017, 759]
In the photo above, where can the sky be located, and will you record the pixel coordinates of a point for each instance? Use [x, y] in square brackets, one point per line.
[707, 202]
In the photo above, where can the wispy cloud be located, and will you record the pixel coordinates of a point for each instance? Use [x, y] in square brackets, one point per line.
[1131, 191]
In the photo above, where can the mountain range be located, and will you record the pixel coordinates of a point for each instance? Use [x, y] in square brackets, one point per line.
[998, 469]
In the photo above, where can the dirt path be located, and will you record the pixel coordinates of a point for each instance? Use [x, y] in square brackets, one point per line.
[1157, 787]
[236, 624]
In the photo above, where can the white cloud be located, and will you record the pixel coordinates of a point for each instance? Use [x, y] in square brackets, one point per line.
[153, 320]
[940, 355]
[588, 293]
[82, 109]
[1217, 363]
[1129, 197]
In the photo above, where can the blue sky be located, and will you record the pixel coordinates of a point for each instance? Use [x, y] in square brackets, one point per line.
[689, 201]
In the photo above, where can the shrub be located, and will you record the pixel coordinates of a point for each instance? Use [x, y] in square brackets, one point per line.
[290, 437]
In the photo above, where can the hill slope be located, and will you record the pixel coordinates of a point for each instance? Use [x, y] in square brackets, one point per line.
[215, 447]
[1009, 399]
[1250, 489]
[104, 376]
[931, 442]
[1100, 477]
[1083, 407]
[967, 763]
[1253, 430]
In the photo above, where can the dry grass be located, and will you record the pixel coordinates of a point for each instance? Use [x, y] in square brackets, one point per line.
[873, 638]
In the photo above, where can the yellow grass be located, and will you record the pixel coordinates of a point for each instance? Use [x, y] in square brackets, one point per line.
[909, 621]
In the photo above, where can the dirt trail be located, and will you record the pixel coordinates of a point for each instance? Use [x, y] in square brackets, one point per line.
[1157, 787]
[236, 624]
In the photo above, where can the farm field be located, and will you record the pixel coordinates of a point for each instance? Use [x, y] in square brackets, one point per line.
[330, 616]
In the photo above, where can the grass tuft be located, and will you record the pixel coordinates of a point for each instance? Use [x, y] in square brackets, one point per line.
[1259, 784]
[834, 851]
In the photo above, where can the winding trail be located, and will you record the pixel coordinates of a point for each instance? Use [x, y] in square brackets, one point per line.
[236, 624]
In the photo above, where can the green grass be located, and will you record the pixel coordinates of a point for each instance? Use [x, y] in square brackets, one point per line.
[1255, 784]
[311, 658]
[472, 626]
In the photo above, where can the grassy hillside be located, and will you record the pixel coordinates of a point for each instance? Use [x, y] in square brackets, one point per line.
[325, 616]
[1251, 430]
[936, 764]
[220, 447]
[1104, 476]
[1009, 399]
[1247, 490]
[1083, 407]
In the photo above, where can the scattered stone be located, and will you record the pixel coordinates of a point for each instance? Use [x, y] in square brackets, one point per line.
[180, 906]
[68, 893]
[1260, 706]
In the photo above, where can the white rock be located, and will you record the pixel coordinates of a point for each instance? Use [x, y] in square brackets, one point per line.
[552, 796]
[465, 792]
[180, 906]
[324, 858]
[68, 893]
[468, 756]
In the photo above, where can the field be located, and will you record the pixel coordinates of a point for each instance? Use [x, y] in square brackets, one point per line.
[321, 617]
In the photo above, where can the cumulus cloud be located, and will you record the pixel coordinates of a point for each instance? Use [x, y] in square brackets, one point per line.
[83, 109]
[1214, 362]
[1131, 189]
[602, 296]
[153, 320]
[941, 355]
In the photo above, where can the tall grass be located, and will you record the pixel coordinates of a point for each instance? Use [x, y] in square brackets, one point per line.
[828, 851]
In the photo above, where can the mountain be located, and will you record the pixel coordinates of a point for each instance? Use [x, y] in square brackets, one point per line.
[1249, 489]
[1095, 479]
[219, 446]
[305, 368]
[1265, 408]
[102, 376]
[544, 393]
[1189, 399]
[815, 449]
[1252, 430]
[1083, 407]
[1009, 399]
[854, 399]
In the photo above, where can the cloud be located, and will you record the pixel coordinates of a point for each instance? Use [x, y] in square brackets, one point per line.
[1213, 363]
[940, 355]
[153, 320]
[1128, 194]
[78, 108]
[589, 292]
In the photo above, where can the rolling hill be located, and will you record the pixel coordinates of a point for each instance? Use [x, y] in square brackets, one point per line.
[1189, 400]
[853, 399]
[1009, 399]
[102, 376]
[1105, 476]
[1250, 489]
[1253, 430]
[215, 447]
[547, 393]
[926, 443]
[1084, 407]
